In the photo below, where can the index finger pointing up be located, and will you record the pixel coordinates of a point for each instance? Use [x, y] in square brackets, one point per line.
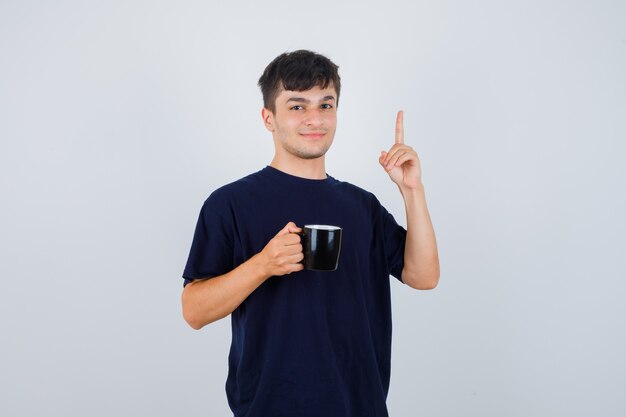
[400, 127]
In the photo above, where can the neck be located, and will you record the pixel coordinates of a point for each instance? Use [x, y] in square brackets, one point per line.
[313, 169]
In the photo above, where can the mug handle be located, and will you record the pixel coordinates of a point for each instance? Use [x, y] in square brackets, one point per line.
[303, 241]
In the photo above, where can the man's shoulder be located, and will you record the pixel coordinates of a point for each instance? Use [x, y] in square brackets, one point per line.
[248, 181]
[235, 190]
[353, 190]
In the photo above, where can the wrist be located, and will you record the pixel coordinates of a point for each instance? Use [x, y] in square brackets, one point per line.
[414, 199]
[259, 266]
[418, 190]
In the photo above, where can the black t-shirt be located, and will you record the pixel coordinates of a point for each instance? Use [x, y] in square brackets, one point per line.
[309, 343]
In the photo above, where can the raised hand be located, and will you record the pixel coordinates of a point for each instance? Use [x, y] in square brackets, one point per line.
[401, 161]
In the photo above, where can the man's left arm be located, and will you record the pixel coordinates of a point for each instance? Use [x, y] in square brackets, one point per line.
[421, 259]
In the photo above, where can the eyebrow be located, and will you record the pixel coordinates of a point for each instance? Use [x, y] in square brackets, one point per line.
[304, 100]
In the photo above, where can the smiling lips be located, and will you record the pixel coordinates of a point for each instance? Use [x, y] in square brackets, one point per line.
[313, 135]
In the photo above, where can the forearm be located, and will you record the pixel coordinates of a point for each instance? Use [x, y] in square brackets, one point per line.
[206, 301]
[421, 259]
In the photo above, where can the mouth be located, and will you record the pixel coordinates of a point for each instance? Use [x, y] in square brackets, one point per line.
[313, 135]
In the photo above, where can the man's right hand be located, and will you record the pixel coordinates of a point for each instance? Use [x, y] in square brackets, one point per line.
[208, 300]
[283, 254]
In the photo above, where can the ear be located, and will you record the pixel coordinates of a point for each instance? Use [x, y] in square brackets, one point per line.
[268, 119]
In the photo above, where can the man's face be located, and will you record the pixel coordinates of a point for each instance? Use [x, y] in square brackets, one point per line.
[304, 122]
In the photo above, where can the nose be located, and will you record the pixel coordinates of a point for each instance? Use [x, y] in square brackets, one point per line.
[314, 117]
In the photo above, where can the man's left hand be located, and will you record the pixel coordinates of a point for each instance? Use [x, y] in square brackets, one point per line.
[401, 161]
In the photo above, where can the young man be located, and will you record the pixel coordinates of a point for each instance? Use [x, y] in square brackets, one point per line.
[307, 343]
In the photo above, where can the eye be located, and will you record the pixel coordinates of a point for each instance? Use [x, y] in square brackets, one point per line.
[296, 108]
[327, 106]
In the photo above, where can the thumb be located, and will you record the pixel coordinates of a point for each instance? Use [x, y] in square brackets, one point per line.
[289, 228]
[382, 157]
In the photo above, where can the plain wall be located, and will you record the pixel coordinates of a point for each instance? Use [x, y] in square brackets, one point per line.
[117, 119]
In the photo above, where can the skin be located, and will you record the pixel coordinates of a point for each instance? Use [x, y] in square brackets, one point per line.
[421, 258]
[303, 128]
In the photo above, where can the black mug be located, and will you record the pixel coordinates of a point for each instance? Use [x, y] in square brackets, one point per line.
[321, 245]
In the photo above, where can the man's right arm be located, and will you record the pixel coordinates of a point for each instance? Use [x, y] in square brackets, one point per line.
[208, 300]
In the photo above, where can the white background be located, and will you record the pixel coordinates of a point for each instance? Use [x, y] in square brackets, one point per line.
[118, 118]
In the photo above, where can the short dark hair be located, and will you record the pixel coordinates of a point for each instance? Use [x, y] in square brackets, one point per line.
[297, 71]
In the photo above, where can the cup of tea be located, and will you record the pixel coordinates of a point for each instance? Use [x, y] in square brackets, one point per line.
[321, 246]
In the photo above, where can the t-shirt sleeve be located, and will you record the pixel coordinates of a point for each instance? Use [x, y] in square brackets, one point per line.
[211, 252]
[394, 238]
